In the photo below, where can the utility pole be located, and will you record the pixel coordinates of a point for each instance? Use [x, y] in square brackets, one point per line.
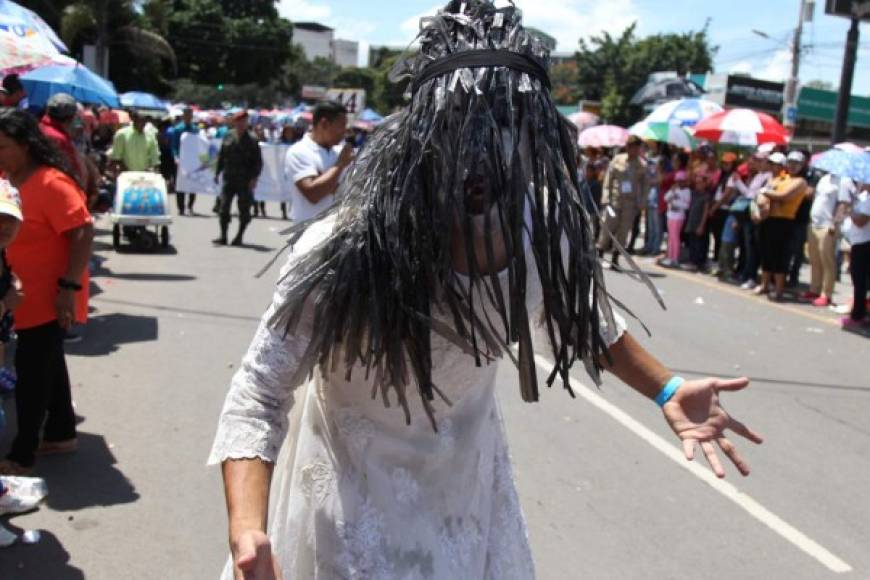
[844, 98]
[789, 110]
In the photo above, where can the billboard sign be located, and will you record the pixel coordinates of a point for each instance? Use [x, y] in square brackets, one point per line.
[849, 8]
[750, 93]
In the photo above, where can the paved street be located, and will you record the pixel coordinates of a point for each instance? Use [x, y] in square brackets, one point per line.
[603, 498]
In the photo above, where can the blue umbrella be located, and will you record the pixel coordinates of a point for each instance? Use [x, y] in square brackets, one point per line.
[369, 116]
[20, 20]
[87, 87]
[139, 100]
[855, 166]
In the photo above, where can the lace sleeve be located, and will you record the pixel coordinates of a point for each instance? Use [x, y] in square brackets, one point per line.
[253, 422]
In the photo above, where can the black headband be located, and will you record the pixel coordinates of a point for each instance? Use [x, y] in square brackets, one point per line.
[483, 58]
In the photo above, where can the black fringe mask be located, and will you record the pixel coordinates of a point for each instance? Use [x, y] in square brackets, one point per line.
[483, 144]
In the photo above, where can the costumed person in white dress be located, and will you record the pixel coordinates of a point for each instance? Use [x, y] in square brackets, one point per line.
[366, 403]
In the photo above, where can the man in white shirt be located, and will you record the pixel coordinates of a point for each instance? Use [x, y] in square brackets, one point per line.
[859, 237]
[832, 197]
[314, 165]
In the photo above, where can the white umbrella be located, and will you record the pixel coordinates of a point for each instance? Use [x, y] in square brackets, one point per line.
[684, 112]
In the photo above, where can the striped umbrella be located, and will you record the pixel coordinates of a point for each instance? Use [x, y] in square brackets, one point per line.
[743, 127]
[664, 133]
[684, 112]
[603, 136]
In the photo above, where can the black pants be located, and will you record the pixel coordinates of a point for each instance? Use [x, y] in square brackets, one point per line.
[42, 394]
[776, 240]
[244, 201]
[179, 198]
[715, 225]
[860, 274]
[698, 247]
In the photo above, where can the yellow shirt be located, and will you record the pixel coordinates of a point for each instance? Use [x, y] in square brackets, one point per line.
[788, 208]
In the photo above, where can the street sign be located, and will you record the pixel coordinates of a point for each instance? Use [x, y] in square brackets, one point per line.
[353, 99]
[849, 8]
[790, 116]
[313, 92]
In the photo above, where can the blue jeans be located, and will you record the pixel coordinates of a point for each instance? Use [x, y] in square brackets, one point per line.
[654, 231]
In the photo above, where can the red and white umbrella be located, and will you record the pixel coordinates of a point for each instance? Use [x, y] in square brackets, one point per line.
[742, 127]
[603, 136]
[584, 119]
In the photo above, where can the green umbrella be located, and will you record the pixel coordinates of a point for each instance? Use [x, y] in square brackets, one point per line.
[664, 133]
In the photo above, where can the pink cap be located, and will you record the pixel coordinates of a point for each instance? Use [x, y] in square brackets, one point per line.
[681, 176]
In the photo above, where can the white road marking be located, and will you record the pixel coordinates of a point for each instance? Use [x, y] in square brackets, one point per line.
[729, 490]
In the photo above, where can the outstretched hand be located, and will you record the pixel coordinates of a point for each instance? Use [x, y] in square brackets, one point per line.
[697, 417]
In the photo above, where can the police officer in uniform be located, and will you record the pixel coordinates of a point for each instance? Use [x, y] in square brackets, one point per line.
[240, 162]
[624, 191]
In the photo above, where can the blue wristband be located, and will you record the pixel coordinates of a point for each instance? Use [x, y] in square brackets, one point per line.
[667, 393]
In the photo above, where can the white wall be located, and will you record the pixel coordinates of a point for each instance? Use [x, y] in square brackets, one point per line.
[314, 44]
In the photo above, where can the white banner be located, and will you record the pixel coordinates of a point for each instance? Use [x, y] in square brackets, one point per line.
[198, 161]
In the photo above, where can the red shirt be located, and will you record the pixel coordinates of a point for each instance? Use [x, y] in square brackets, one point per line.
[55, 131]
[52, 204]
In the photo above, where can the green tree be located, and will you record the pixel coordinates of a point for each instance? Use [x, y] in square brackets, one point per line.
[565, 78]
[137, 54]
[613, 68]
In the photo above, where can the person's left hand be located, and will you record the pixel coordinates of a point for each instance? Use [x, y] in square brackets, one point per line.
[64, 306]
[697, 417]
[700, 231]
[14, 296]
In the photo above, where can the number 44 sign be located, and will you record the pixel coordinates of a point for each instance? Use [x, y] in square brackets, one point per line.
[353, 99]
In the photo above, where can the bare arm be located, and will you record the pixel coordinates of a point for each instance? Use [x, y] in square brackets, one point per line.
[80, 239]
[317, 188]
[246, 482]
[636, 367]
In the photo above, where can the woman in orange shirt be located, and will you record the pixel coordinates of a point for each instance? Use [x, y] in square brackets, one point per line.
[50, 256]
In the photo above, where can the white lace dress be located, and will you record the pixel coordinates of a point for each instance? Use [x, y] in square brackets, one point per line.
[359, 495]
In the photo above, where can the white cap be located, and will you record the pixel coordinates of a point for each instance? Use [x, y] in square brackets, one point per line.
[777, 158]
[797, 156]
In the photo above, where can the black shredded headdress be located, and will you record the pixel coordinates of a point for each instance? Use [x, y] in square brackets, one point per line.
[480, 143]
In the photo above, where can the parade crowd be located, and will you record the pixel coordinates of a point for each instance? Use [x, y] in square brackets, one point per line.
[749, 219]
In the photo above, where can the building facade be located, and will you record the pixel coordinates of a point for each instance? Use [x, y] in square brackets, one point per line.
[318, 41]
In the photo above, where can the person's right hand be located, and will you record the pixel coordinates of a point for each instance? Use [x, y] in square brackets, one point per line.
[253, 558]
[345, 158]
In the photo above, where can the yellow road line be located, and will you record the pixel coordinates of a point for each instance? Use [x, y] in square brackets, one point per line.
[727, 289]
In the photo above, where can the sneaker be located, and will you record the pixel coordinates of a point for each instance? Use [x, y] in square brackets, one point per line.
[822, 301]
[220, 242]
[809, 296]
[690, 267]
[23, 494]
[748, 285]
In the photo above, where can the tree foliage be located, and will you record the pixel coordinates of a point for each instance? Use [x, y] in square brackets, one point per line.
[229, 41]
[611, 69]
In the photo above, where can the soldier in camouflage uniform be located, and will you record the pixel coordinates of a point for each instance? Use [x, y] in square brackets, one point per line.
[240, 162]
